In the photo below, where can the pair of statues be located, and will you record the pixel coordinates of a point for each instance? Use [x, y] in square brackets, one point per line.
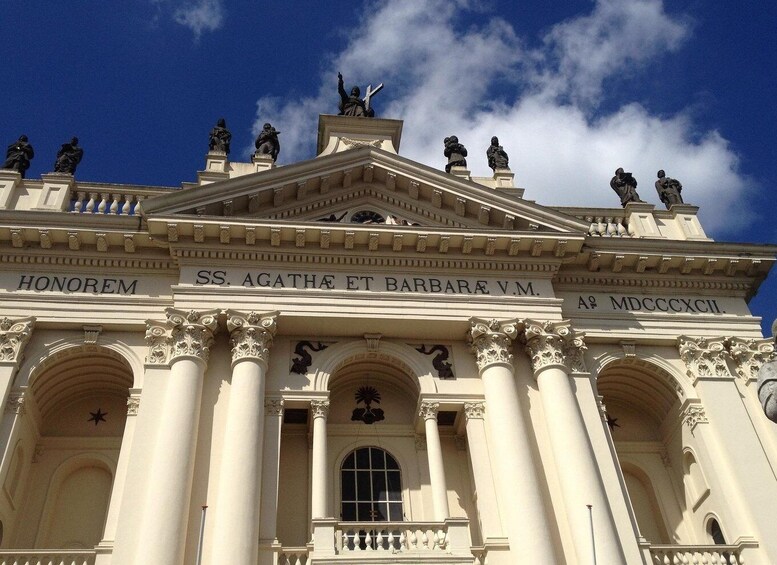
[20, 152]
[266, 143]
[625, 186]
[456, 154]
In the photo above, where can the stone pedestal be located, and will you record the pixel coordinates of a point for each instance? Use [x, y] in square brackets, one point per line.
[640, 220]
[56, 193]
[461, 172]
[9, 180]
[685, 215]
[262, 163]
[504, 178]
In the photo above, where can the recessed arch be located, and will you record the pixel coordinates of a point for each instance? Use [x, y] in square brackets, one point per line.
[398, 359]
[659, 366]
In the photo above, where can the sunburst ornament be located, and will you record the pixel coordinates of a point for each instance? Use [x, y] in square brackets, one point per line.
[368, 414]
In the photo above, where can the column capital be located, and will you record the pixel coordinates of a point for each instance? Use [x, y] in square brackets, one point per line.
[183, 334]
[251, 335]
[15, 403]
[133, 405]
[693, 414]
[273, 407]
[320, 408]
[14, 335]
[704, 357]
[750, 355]
[556, 344]
[428, 410]
[491, 340]
[474, 410]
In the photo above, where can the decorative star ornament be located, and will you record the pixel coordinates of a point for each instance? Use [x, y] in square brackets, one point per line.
[612, 423]
[97, 417]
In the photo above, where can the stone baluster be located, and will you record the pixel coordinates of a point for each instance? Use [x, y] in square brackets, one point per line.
[139, 198]
[183, 342]
[556, 351]
[125, 208]
[92, 203]
[436, 466]
[528, 528]
[319, 480]
[78, 205]
[236, 523]
[115, 200]
[103, 203]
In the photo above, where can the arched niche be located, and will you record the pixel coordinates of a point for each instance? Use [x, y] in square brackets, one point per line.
[645, 504]
[76, 503]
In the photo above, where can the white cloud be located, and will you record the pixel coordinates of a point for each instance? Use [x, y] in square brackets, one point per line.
[200, 16]
[440, 78]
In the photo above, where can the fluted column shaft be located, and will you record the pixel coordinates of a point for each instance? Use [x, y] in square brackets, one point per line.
[163, 530]
[555, 351]
[527, 525]
[436, 466]
[237, 509]
[481, 470]
[319, 480]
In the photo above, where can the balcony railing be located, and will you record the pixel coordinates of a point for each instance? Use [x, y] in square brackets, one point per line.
[692, 554]
[47, 557]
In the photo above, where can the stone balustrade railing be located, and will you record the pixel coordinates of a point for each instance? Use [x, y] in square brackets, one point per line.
[47, 557]
[696, 554]
[293, 556]
[390, 536]
[116, 204]
[608, 226]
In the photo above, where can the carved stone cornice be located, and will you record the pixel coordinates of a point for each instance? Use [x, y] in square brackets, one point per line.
[273, 407]
[474, 410]
[428, 410]
[750, 355]
[554, 344]
[14, 335]
[251, 335]
[182, 335]
[693, 414]
[704, 357]
[319, 408]
[491, 340]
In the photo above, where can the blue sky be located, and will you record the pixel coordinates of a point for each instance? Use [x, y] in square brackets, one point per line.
[573, 89]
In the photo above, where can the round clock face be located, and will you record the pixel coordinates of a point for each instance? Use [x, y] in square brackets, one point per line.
[367, 217]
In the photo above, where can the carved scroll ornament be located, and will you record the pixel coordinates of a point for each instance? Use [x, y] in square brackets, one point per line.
[704, 357]
[251, 334]
[183, 334]
[554, 343]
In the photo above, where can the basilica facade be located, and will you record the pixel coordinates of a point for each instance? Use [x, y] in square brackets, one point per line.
[364, 359]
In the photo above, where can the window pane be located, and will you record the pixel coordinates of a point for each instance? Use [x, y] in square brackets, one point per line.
[363, 458]
[394, 486]
[378, 461]
[348, 485]
[349, 462]
[349, 512]
[363, 486]
[379, 485]
[395, 512]
[391, 463]
[382, 512]
[365, 512]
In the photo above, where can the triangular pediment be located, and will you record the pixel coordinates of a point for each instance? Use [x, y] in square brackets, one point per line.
[364, 184]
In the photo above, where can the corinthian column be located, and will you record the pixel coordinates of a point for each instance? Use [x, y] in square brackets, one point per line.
[527, 524]
[555, 352]
[184, 342]
[434, 453]
[236, 525]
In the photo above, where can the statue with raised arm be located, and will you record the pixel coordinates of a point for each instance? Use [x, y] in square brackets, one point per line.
[353, 104]
[267, 142]
[18, 156]
[668, 189]
[497, 158]
[68, 157]
[625, 186]
[220, 137]
[455, 152]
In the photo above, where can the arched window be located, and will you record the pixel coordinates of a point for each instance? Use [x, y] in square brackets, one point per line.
[371, 487]
[716, 533]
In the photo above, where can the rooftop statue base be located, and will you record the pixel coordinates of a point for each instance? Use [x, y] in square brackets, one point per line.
[9, 179]
[340, 133]
[262, 162]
